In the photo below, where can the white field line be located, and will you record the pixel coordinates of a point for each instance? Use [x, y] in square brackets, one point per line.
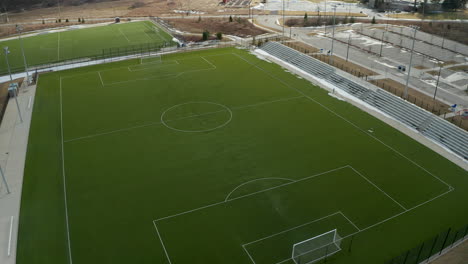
[212, 65]
[290, 229]
[125, 36]
[64, 178]
[246, 251]
[378, 188]
[353, 224]
[250, 194]
[181, 118]
[126, 67]
[100, 77]
[346, 120]
[164, 77]
[162, 243]
[156, 30]
[10, 236]
[151, 65]
[260, 179]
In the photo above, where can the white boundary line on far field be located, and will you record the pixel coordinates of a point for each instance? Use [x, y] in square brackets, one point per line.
[63, 176]
[343, 118]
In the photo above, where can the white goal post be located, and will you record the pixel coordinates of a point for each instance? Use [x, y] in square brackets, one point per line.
[316, 248]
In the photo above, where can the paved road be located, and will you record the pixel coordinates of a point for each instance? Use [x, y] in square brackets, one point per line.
[385, 66]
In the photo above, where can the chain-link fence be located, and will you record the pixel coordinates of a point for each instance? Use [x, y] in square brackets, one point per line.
[432, 247]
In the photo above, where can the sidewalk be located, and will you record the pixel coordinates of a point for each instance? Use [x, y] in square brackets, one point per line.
[13, 145]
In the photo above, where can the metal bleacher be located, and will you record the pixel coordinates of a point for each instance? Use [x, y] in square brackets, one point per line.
[428, 124]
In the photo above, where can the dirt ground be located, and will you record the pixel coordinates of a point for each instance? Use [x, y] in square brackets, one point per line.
[414, 96]
[458, 255]
[463, 123]
[302, 47]
[124, 8]
[346, 66]
[238, 27]
[461, 68]
[10, 30]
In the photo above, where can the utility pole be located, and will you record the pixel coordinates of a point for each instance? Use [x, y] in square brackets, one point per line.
[438, 78]
[333, 35]
[19, 29]
[347, 50]
[60, 12]
[381, 44]
[410, 63]
[284, 21]
[11, 78]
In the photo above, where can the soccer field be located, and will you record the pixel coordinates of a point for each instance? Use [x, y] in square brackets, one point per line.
[217, 156]
[78, 43]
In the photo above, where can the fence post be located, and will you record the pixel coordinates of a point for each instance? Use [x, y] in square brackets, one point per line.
[432, 247]
[406, 257]
[419, 253]
[445, 241]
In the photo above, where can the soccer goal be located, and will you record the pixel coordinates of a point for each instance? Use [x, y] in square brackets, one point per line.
[316, 248]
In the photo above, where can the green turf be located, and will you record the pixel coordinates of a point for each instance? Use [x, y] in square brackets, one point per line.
[219, 154]
[79, 43]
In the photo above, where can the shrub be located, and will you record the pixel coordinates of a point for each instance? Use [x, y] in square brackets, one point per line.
[137, 5]
[66, 20]
[205, 35]
[219, 36]
[230, 19]
[373, 20]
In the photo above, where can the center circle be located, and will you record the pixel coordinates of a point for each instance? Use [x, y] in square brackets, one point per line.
[196, 116]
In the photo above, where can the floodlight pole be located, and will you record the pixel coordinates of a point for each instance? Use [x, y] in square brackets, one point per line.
[347, 50]
[410, 63]
[438, 78]
[381, 44]
[11, 78]
[4, 181]
[20, 29]
[333, 34]
[284, 22]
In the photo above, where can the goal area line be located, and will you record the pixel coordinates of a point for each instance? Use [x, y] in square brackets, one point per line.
[348, 220]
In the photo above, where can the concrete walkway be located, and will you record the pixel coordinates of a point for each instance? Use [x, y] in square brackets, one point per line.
[13, 145]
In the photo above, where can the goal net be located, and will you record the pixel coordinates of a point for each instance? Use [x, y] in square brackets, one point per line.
[316, 248]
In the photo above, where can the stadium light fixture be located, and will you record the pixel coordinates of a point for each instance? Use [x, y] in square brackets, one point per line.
[415, 28]
[19, 29]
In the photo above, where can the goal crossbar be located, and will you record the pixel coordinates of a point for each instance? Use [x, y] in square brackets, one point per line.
[316, 248]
